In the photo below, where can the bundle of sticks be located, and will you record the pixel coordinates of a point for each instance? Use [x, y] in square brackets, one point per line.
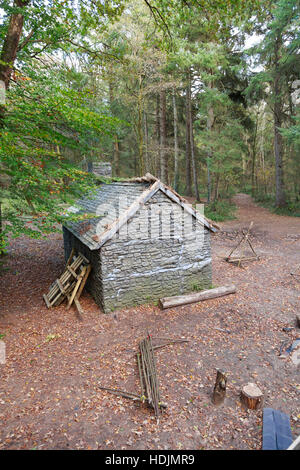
[148, 374]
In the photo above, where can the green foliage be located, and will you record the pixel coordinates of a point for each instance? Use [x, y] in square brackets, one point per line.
[57, 25]
[220, 210]
[292, 134]
[292, 207]
[196, 287]
[46, 119]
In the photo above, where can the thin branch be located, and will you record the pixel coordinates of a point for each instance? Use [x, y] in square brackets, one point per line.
[26, 40]
[155, 11]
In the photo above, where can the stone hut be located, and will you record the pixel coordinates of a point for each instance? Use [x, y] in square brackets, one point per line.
[144, 242]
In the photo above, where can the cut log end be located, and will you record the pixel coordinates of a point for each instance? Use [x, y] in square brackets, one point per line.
[252, 397]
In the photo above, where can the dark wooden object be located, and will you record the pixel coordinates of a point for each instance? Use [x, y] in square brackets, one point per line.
[219, 392]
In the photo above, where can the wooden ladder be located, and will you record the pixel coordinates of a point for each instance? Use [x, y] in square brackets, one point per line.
[71, 283]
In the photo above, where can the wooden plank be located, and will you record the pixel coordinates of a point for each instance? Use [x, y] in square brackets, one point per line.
[88, 270]
[187, 208]
[84, 258]
[46, 301]
[169, 302]
[78, 306]
[80, 277]
[72, 272]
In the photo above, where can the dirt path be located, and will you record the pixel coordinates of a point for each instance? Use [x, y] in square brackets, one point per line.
[274, 226]
[49, 388]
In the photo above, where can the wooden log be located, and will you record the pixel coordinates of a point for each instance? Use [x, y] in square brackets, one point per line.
[219, 392]
[168, 302]
[252, 396]
[298, 321]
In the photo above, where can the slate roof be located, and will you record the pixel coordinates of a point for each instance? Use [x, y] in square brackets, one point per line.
[117, 202]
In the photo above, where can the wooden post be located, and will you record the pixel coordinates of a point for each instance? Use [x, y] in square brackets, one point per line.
[220, 388]
[252, 396]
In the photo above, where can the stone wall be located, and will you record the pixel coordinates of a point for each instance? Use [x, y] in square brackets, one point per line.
[162, 252]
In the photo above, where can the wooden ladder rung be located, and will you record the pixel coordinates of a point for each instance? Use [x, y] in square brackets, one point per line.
[72, 272]
[84, 258]
[61, 288]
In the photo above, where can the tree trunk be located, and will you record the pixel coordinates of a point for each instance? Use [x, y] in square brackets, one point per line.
[146, 139]
[254, 148]
[116, 156]
[210, 122]
[216, 195]
[157, 132]
[1, 232]
[188, 174]
[278, 147]
[10, 48]
[193, 160]
[140, 130]
[163, 138]
[116, 151]
[176, 175]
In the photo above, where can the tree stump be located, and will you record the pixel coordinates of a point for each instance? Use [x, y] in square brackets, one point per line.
[219, 388]
[252, 396]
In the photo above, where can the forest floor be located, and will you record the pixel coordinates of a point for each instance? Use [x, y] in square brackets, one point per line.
[49, 387]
